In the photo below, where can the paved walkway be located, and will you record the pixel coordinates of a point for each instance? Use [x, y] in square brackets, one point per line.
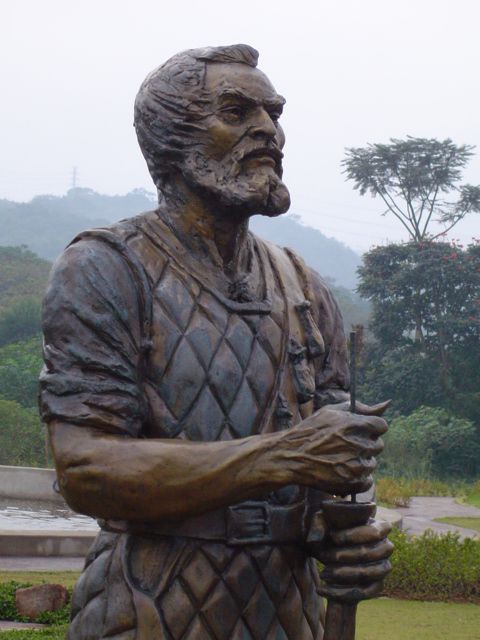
[420, 515]
[15, 563]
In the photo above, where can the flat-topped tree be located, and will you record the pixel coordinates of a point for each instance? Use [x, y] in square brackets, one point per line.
[418, 181]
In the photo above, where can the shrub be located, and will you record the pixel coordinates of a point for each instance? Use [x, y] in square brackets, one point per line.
[8, 609]
[393, 492]
[20, 364]
[431, 442]
[21, 319]
[397, 492]
[434, 567]
[22, 435]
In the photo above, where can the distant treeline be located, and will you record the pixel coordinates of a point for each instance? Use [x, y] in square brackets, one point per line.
[47, 223]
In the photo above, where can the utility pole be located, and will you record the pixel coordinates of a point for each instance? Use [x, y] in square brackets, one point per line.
[74, 178]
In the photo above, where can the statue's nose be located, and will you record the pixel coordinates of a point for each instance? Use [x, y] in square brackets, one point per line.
[263, 125]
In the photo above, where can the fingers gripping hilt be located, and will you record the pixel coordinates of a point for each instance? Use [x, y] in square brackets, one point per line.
[340, 618]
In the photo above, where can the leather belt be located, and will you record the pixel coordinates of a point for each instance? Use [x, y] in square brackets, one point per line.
[250, 522]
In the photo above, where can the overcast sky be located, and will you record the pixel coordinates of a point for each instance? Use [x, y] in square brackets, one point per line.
[353, 72]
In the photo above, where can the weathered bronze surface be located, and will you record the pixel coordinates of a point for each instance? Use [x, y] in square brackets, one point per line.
[196, 387]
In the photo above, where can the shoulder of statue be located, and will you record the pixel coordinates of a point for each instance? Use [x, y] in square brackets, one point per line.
[295, 271]
[117, 233]
[130, 241]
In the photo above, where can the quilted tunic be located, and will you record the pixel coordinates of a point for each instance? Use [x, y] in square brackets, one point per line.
[139, 345]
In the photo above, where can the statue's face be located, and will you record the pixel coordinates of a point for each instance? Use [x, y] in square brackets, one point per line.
[237, 158]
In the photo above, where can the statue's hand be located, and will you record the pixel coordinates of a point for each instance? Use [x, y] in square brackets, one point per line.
[334, 449]
[356, 561]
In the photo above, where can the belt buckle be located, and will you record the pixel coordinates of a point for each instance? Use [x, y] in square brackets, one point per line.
[247, 524]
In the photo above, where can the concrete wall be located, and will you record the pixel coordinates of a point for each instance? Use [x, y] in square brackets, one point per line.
[46, 543]
[28, 483]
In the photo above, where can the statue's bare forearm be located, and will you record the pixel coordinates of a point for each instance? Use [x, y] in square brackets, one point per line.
[122, 478]
[117, 477]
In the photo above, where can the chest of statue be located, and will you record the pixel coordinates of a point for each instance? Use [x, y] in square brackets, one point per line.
[215, 365]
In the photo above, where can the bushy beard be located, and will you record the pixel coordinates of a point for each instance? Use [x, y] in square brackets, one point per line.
[236, 186]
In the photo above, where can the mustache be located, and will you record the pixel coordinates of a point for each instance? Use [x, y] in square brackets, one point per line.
[262, 149]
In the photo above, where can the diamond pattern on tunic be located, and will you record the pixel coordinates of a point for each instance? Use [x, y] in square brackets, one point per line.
[206, 420]
[203, 336]
[221, 366]
[174, 601]
[225, 376]
[218, 385]
[176, 297]
[165, 340]
[240, 338]
[182, 381]
[220, 611]
[251, 593]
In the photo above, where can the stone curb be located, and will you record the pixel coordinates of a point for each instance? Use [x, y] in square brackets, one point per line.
[37, 543]
[7, 625]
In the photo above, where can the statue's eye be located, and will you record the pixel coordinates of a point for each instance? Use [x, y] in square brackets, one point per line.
[275, 116]
[234, 112]
[275, 113]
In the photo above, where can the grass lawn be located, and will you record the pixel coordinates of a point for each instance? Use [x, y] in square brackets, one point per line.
[67, 578]
[467, 523]
[474, 499]
[383, 618]
[411, 620]
[52, 633]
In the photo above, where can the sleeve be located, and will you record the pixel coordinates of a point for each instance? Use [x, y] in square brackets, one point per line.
[92, 342]
[332, 377]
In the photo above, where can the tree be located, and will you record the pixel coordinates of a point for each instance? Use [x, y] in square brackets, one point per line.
[22, 273]
[426, 319]
[21, 319]
[416, 179]
[20, 365]
[22, 436]
[431, 441]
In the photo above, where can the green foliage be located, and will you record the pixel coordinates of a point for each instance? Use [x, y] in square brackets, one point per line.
[434, 567]
[431, 442]
[412, 177]
[67, 578]
[426, 293]
[20, 320]
[473, 495]
[59, 617]
[426, 321]
[8, 609]
[466, 523]
[22, 436]
[22, 273]
[20, 365]
[398, 491]
[54, 633]
[391, 619]
[393, 492]
[403, 374]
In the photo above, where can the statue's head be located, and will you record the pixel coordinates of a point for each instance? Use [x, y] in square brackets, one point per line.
[209, 117]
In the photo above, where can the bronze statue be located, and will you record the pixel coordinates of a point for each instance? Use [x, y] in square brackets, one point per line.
[196, 384]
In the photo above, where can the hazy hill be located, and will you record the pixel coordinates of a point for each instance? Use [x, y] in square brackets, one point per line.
[22, 274]
[332, 259]
[47, 223]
